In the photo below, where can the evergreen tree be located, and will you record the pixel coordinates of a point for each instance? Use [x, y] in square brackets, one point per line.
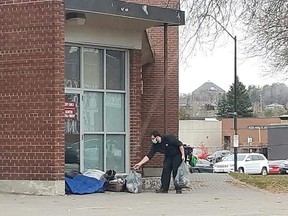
[244, 105]
[222, 106]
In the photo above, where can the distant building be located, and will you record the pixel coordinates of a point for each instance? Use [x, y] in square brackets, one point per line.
[253, 133]
[203, 101]
[278, 140]
[201, 132]
[274, 106]
[208, 92]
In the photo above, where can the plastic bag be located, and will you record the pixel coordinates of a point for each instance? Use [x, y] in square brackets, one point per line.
[182, 178]
[134, 182]
[193, 160]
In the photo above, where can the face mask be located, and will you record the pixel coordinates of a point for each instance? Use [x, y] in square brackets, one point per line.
[154, 141]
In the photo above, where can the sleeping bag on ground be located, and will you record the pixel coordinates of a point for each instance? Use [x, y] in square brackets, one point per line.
[81, 184]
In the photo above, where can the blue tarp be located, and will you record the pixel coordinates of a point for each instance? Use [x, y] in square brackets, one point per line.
[81, 184]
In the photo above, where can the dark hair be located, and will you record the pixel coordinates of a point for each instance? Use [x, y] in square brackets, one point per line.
[155, 133]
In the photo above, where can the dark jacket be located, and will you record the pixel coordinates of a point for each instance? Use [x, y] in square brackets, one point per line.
[169, 146]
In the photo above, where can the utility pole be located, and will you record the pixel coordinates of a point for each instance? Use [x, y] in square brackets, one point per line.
[235, 110]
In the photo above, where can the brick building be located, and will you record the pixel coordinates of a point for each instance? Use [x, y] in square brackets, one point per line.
[253, 133]
[83, 84]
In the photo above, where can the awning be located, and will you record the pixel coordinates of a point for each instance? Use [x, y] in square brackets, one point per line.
[153, 14]
[127, 20]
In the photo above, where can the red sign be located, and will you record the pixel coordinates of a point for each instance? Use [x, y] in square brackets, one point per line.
[70, 109]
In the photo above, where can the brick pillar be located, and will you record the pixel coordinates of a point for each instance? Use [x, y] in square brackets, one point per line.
[32, 90]
[153, 84]
[135, 106]
[153, 76]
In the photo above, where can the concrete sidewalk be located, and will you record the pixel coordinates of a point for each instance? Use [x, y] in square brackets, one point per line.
[210, 194]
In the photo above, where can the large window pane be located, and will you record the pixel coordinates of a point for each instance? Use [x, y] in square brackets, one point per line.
[72, 67]
[93, 68]
[93, 112]
[93, 152]
[115, 70]
[72, 132]
[115, 112]
[100, 78]
[115, 153]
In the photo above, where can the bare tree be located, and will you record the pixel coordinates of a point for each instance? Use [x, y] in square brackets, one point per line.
[264, 24]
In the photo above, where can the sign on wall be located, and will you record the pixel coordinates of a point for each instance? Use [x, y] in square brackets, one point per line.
[70, 109]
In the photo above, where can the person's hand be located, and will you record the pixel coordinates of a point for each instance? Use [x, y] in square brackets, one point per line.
[183, 157]
[137, 166]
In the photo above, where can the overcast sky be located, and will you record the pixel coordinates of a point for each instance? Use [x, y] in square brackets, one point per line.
[218, 67]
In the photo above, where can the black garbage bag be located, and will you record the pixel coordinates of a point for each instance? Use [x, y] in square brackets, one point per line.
[110, 175]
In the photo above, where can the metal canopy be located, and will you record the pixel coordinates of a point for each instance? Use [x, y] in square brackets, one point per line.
[128, 10]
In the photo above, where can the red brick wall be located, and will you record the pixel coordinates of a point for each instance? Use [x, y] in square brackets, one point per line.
[135, 105]
[259, 137]
[153, 86]
[32, 89]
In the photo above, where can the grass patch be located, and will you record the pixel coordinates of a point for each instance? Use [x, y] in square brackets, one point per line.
[273, 183]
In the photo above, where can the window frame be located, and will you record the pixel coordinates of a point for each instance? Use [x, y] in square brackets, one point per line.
[126, 92]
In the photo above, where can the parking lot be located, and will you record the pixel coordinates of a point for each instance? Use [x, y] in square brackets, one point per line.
[209, 194]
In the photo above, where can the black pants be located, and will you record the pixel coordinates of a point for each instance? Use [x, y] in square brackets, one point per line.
[170, 164]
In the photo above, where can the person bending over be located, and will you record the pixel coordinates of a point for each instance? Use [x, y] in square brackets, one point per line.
[173, 150]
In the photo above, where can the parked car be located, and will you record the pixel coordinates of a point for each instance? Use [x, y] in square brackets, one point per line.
[251, 163]
[202, 166]
[274, 166]
[217, 156]
[284, 167]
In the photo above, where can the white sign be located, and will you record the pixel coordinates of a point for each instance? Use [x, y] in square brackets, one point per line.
[236, 141]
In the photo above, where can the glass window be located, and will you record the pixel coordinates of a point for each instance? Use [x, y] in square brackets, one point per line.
[115, 112]
[240, 157]
[72, 132]
[93, 68]
[115, 153]
[72, 67]
[93, 152]
[204, 162]
[249, 158]
[93, 112]
[97, 77]
[115, 70]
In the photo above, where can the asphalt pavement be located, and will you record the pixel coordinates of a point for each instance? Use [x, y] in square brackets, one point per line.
[209, 194]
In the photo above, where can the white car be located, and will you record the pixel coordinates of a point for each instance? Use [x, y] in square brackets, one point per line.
[251, 163]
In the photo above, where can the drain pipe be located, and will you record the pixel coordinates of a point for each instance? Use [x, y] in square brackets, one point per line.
[165, 78]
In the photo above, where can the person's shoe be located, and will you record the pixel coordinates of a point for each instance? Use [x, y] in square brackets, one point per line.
[178, 191]
[161, 191]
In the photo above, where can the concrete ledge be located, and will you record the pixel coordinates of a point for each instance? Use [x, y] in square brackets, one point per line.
[48, 188]
[153, 183]
[53, 188]
[152, 172]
